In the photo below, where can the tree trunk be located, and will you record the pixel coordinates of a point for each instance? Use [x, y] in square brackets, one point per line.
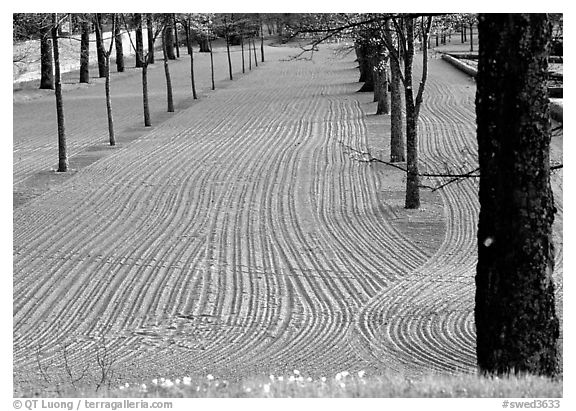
[382, 86]
[150, 35]
[211, 64]
[359, 57]
[517, 329]
[242, 46]
[62, 151]
[85, 52]
[204, 44]
[166, 44]
[119, 48]
[397, 135]
[255, 56]
[249, 55]
[109, 104]
[169, 39]
[227, 38]
[46, 69]
[471, 38]
[367, 68]
[100, 47]
[145, 100]
[412, 178]
[262, 40]
[139, 40]
[176, 45]
[191, 53]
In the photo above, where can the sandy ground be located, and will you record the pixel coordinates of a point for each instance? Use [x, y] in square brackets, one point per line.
[241, 234]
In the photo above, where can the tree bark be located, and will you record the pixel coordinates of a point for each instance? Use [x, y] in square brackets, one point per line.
[261, 39]
[119, 48]
[366, 68]
[242, 47]
[139, 40]
[85, 52]
[169, 39]
[145, 100]
[227, 38]
[204, 44]
[62, 151]
[211, 64]
[397, 147]
[150, 35]
[166, 44]
[255, 56]
[191, 53]
[46, 69]
[381, 86]
[112, 137]
[176, 45]
[412, 178]
[100, 47]
[471, 38]
[517, 329]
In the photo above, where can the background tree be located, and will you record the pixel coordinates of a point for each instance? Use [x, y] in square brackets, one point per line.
[62, 151]
[106, 54]
[397, 147]
[167, 43]
[187, 24]
[85, 51]
[516, 323]
[150, 37]
[46, 69]
[139, 49]
[100, 45]
[119, 45]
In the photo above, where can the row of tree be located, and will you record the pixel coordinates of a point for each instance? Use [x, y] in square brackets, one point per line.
[201, 28]
[516, 323]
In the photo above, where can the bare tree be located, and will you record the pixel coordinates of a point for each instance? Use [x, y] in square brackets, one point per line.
[106, 54]
[62, 151]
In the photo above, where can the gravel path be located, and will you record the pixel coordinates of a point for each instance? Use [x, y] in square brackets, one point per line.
[240, 236]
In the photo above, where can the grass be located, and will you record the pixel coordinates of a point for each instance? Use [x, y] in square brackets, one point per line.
[343, 384]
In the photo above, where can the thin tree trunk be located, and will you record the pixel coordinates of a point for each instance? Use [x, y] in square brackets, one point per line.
[46, 69]
[145, 101]
[109, 104]
[255, 56]
[176, 45]
[262, 39]
[397, 135]
[166, 44]
[99, 50]
[412, 178]
[242, 46]
[150, 35]
[62, 151]
[211, 64]
[119, 47]
[139, 40]
[471, 38]
[85, 52]
[249, 55]
[227, 38]
[367, 68]
[517, 328]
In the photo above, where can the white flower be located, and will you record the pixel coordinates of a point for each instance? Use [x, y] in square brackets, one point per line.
[309, 379]
[281, 378]
[296, 372]
[187, 380]
[167, 383]
[271, 377]
[143, 388]
[323, 379]
[210, 377]
[266, 388]
[291, 378]
[361, 373]
[248, 389]
[177, 381]
[155, 381]
[126, 385]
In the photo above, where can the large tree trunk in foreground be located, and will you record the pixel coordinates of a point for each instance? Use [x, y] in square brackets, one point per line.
[62, 151]
[516, 323]
[46, 69]
[85, 53]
